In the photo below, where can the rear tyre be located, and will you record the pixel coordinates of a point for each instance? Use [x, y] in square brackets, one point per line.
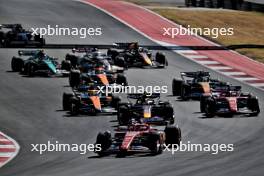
[254, 106]
[161, 59]
[66, 65]
[30, 70]
[202, 103]
[209, 108]
[74, 78]
[16, 64]
[105, 141]
[123, 115]
[120, 62]
[66, 104]
[185, 92]
[75, 106]
[169, 111]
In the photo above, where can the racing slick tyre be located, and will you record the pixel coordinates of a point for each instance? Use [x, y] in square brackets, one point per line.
[16, 64]
[112, 53]
[73, 60]
[66, 65]
[103, 139]
[185, 91]
[168, 109]
[172, 135]
[210, 108]
[202, 103]
[253, 105]
[120, 62]
[121, 79]
[66, 104]
[161, 59]
[74, 78]
[155, 144]
[31, 70]
[123, 114]
[75, 106]
[176, 87]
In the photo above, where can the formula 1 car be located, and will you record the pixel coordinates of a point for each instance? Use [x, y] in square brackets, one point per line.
[96, 74]
[33, 62]
[87, 99]
[15, 35]
[216, 89]
[230, 102]
[146, 109]
[83, 58]
[137, 138]
[193, 85]
[135, 56]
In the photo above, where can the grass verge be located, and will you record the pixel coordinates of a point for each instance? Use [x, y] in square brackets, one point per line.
[248, 26]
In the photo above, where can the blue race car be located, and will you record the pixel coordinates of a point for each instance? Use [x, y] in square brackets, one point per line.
[14, 35]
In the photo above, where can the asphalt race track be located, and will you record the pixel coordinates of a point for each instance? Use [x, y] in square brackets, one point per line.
[31, 110]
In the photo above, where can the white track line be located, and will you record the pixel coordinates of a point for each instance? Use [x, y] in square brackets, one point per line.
[186, 51]
[257, 84]
[196, 56]
[208, 62]
[6, 154]
[234, 73]
[3, 140]
[247, 78]
[220, 68]
[7, 146]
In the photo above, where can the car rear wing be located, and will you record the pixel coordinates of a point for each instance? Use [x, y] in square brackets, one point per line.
[27, 52]
[83, 50]
[139, 95]
[127, 45]
[10, 25]
[195, 74]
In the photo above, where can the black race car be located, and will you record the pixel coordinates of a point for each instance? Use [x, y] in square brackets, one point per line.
[135, 56]
[85, 57]
[15, 35]
[147, 109]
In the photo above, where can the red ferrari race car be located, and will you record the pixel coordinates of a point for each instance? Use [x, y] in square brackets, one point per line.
[230, 102]
[137, 138]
